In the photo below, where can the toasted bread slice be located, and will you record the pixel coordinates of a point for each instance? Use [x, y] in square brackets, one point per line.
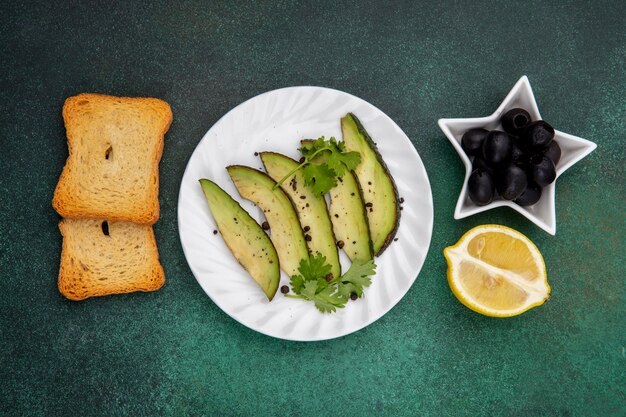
[115, 145]
[104, 257]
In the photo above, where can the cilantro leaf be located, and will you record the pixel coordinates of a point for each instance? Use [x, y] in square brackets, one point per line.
[321, 284]
[359, 284]
[333, 162]
[359, 280]
[346, 289]
[320, 178]
[311, 284]
[309, 148]
[343, 162]
[310, 289]
[339, 160]
[358, 270]
[314, 267]
[297, 283]
[324, 160]
[357, 277]
[325, 297]
[351, 160]
[327, 301]
[339, 146]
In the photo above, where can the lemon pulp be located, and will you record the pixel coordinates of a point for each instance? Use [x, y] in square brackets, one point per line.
[497, 271]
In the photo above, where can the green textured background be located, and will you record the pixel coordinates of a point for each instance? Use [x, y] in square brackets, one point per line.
[174, 352]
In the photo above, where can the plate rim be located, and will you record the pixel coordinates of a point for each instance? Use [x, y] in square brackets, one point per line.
[393, 302]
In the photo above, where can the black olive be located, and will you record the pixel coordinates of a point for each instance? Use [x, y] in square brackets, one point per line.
[480, 187]
[537, 135]
[511, 182]
[530, 196]
[472, 141]
[542, 170]
[497, 148]
[515, 120]
[519, 157]
[479, 163]
[553, 151]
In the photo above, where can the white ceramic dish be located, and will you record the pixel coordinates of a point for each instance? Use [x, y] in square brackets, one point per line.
[276, 121]
[573, 149]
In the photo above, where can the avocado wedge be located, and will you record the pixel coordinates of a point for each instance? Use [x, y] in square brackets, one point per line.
[311, 209]
[379, 190]
[244, 237]
[285, 229]
[348, 215]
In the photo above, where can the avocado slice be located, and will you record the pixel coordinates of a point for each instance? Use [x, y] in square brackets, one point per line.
[285, 230]
[379, 190]
[244, 237]
[348, 214]
[311, 209]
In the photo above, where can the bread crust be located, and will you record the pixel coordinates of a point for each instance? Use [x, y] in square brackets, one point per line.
[82, 277]
[134, 208]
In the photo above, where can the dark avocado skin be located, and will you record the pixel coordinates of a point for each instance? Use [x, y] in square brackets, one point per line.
[395, 213]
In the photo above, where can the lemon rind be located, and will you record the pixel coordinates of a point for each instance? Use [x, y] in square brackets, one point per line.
[537, 298]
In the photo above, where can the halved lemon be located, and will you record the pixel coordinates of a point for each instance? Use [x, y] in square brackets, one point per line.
[497, 271]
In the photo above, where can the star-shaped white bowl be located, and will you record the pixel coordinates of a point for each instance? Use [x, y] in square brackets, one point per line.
[573, 149]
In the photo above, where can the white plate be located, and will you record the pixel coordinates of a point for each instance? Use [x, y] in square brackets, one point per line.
[276, 121]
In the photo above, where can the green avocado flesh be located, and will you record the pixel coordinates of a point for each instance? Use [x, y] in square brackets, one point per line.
[311, 209]
[244, 237]
[348, 215]
[285, 230]
[379, 190]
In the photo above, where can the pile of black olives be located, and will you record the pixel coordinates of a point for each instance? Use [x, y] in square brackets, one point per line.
[515, 164]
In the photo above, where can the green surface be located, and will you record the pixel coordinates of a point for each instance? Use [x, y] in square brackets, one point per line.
[174, 352]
